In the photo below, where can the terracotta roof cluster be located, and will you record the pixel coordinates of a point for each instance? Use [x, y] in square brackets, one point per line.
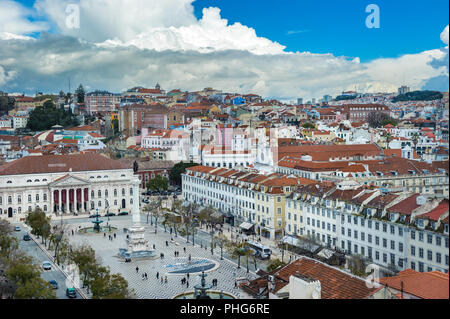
[335, 284]
[59, 163]
[428, 285]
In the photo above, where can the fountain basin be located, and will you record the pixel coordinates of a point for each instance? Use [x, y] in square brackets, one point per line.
[93, 231]
[196, 265]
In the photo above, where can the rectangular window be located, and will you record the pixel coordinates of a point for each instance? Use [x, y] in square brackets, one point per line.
[438, 258]
[400, 247]
[413, 234]
[429, 255]
[429, 238]
[421, 252]
[413, 250]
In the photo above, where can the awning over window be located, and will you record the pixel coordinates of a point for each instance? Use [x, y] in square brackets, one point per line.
[246, 225]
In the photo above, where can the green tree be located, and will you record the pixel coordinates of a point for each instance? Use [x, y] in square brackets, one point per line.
[275, 264]
[308, 125]
[39, 223]
[6, 104]
[106, 286]
[84, 257]
[45, 116]
[27, 276]
[236, 250]
[177, 170]
[80, 93]
[158, 183]
[357, 265]
[8, 243]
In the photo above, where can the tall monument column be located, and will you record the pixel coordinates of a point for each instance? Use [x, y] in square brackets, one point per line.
[138, 246]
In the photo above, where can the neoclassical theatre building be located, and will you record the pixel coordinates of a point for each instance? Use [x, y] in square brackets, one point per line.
[68, 184]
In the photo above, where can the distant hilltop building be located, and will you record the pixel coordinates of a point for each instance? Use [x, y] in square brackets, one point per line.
[403, 89]
[299, 101]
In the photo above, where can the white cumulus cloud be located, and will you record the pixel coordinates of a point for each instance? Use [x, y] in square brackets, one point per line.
[14, 20]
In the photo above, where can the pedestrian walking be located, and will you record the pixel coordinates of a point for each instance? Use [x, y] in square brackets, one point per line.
[167, 243]
[104, 235]
[157, 275]
[187, 284]
[114, 235]
[143, 277]
[162, 279]
[166, 280]
[146, 277]
[184, 248]
[154, 246]
[187, 275]
[137, 269]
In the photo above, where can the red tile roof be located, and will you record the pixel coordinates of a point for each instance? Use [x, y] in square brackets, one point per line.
[428, 285]
[335, 283]
[59, 163]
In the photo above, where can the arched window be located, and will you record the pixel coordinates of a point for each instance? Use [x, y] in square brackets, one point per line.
[19, 199]
[92, 205]
[45, 197]
[29, 198]
[123, 191]
[92, 194]
[1, 200]
[99, 193]
[37, 197]
[115, 202]
[99, 204]
[106, 193]
[19, 210]
[9, 200]
[115, 192]
[45, 208]
[131, 191]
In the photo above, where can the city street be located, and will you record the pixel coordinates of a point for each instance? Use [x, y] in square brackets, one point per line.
[33, 250]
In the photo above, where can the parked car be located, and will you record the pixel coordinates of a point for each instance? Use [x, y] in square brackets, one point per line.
[54, 284]
[46, 265]
[71, 293]
[109, 214]
[17, 228]
[26, 237]
[95, 216]
[123, 213]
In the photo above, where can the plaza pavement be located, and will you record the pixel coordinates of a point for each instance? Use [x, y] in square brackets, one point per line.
[152, 288]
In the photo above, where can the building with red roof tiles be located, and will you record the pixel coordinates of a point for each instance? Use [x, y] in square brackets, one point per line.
[307, 278]
[411, 284]
[63, 183]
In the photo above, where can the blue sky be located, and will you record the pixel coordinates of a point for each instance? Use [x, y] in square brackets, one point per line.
[407, 26]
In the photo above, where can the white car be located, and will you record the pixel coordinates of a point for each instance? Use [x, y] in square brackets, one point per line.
[46, 265]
